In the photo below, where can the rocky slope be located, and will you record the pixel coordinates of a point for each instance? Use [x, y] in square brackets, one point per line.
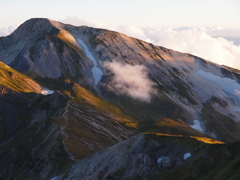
[41, 135]
[122, 108]
[159, 157]
[164, 83]
[27, 133]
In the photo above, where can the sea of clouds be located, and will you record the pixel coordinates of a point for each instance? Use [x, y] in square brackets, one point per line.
[220, 45]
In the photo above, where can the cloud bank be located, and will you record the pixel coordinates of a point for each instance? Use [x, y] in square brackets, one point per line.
[198, 42]
[207, 43]
[130, 80]
[4, 31]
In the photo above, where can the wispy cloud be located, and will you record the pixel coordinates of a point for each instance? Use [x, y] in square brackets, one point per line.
[130, 80]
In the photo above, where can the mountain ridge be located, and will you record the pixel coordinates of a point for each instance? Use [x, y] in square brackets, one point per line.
[118, 100]
[55, 56]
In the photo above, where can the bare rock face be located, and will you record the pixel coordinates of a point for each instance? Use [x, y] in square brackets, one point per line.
[22, 38]
[36, 50]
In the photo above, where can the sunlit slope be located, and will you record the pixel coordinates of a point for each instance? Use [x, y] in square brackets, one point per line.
[84, 96]
[17, 81]
[171, 127]
[89, 118]
[163, 125]
[91, 123]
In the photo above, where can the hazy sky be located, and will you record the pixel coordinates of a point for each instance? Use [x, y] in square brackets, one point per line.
[163, 13]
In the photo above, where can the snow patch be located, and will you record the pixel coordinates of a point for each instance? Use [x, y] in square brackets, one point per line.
[236, 109]
[186, 155]
[54, 178]
[46, 91]
[229, 86]
[159, 160]
[96, 71]
[226, 84]
[197, 126]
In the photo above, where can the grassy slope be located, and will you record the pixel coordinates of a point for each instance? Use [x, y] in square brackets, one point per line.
[86, 97]
[162, 125]
[95, 107]
[86, 113]
[17, 81]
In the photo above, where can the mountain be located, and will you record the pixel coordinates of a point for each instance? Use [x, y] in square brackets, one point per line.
[40, 133]
[16, 81]
[120, 108]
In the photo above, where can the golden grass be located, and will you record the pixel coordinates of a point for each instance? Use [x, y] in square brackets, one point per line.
[68, 38]
[131, 124]
[169, 123]
[17, 81]
[207, 140]
[201, 139]
[84, 96]
[162, 134]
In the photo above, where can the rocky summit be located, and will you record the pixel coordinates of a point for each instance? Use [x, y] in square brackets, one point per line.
[88, 103]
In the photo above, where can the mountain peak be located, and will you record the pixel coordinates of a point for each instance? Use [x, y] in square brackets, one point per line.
[34, 24]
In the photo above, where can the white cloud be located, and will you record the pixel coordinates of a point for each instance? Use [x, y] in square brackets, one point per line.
[231, 34]
[134, 32]
[4, 31]
[200, 43]
[203, 42]
[130, 80]
[83, 22]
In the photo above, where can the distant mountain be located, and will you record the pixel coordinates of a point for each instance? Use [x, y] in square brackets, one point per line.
[108, 87]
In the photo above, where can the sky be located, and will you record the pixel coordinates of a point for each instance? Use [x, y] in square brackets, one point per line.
[207, 28]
